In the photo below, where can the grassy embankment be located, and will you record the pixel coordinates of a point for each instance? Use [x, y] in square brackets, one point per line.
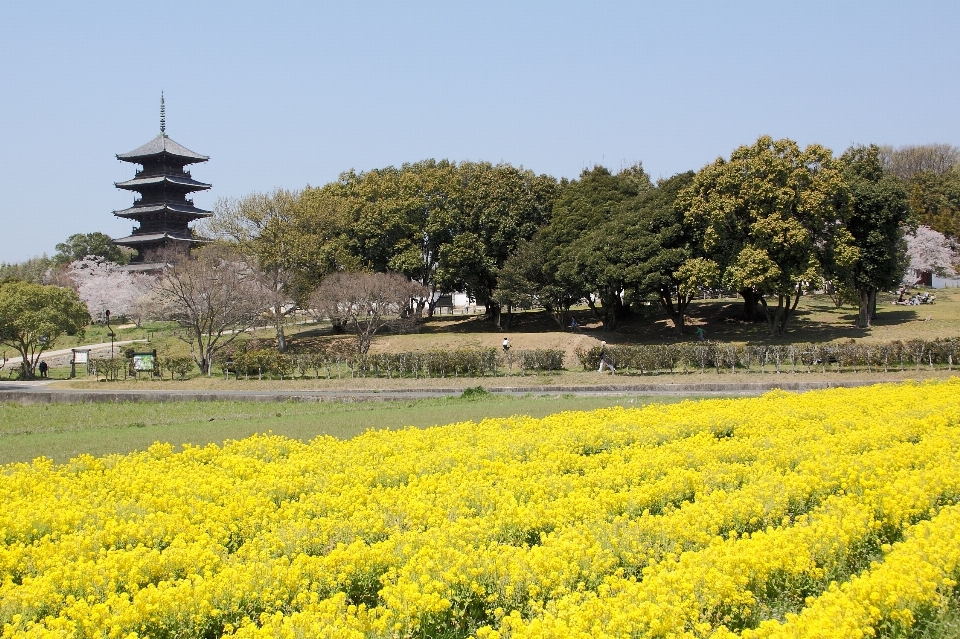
[62, 431]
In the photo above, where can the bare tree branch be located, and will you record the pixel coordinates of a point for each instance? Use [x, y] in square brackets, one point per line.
[214, 296]
[366, 302]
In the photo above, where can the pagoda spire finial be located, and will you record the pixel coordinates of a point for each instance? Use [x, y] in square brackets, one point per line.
[163, 116]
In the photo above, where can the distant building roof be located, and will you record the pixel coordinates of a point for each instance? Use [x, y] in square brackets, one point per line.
[160, 145]
[173, 207]
[137, 184]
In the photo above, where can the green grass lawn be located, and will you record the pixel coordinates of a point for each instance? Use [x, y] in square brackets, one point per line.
[62, 431]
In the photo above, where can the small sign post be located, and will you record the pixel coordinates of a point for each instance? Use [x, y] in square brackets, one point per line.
[80, 356]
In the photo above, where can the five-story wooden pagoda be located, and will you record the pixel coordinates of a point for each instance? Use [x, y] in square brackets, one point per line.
[163, 210]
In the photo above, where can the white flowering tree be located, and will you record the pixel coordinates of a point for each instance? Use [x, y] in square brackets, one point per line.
[366, 302]
[104, 285]
[930, 251]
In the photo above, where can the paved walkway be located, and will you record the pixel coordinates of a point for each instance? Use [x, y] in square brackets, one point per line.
[15, 361]
[37, 392]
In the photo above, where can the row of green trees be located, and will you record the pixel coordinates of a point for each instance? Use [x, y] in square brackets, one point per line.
[770, 222]
[447, 226]
[43, 269]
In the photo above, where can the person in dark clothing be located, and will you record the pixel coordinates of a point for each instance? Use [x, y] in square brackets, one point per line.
[43, 369]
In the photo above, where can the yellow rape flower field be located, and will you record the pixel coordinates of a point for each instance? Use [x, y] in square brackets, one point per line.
[825, 514]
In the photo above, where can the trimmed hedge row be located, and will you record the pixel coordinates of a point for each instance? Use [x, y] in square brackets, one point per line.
[467, 362]
[804, 357]
[638, 359]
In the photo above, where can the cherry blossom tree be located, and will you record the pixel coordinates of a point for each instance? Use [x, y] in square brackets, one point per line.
[366, 302]
[104, 285]
[214, 295]
[930, 251]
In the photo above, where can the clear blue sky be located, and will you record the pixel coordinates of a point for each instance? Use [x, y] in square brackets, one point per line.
[288, 94]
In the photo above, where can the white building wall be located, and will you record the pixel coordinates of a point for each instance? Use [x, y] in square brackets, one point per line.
[945, 282]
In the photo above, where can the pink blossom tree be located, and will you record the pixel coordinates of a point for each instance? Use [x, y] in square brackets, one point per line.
[104, 285]
[930, 251]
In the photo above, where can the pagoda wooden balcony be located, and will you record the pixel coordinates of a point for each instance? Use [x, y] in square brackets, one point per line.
[145, 174]
[140, 200]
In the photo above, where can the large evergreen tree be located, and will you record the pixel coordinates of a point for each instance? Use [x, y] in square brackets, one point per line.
[592, 240]
[768, 216]
[33, 316]
[670, 260]
[874, 258]
[80, 245]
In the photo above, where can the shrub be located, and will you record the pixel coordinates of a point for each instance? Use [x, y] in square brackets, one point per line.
[541, 359]
[109, 368]
[474, 392]
[178, 365]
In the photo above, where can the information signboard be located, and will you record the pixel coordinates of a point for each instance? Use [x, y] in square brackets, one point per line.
[143, 362]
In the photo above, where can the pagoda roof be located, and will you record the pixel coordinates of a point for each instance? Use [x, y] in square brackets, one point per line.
[172, 207]
[153, 238]
[162, 145]
[174, 180]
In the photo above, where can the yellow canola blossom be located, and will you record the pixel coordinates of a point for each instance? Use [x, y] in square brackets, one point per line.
[763, 517]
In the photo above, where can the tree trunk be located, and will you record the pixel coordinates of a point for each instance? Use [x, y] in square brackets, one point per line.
[863, 316]
[607, 317]
[278, 322]
[612, 309]
[751, 299]
[509, 317]
[786, 305]
[610, 322]
[622, 310]
[556, 315]
[683, 301]
[493, 312]
[676, 314]
[775, 319]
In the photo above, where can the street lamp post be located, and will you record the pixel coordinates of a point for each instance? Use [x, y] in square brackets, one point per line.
[111, 333]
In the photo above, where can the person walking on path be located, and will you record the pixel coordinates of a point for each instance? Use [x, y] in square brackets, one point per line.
[605, 360]
[701, 334]
[506, 354]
